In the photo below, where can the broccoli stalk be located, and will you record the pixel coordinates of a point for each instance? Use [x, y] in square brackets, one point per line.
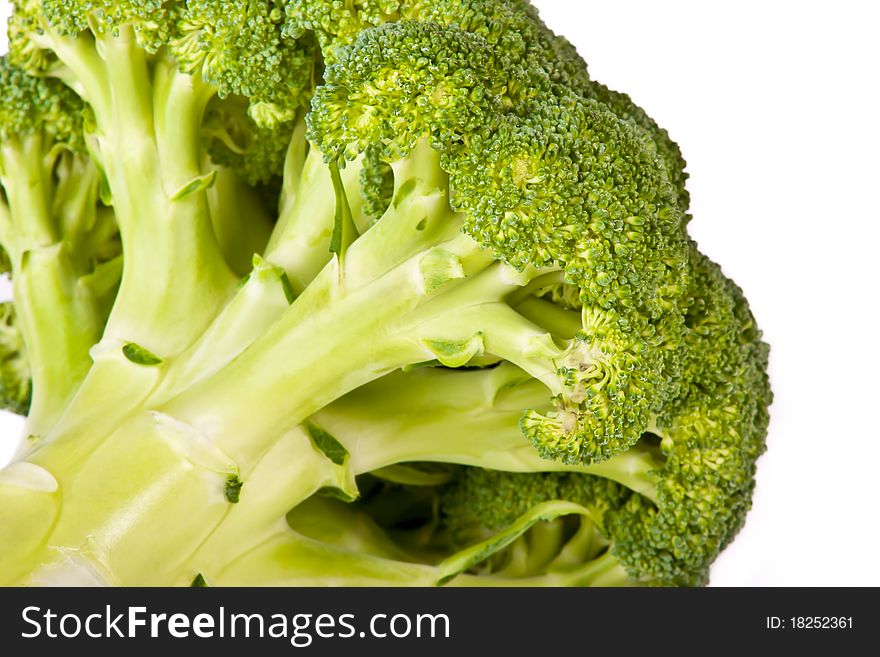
[468, 417]
[56, 238]
[195, 472]
[146, 139]
[144, 136]
[307, 211]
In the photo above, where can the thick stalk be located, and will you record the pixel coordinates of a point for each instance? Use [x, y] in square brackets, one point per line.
[175, 279]
[147, 117]
[102, 510]
[58, 317]
[418, 219]
[95, 516]
[498, 330]
[335, 350]
[166, 453]
[351, 341]
[82, 68]
[291, 559]
[465, 417]
[292, 470]
[258, 304]
[25, 173]
[29, 506]
[59, 321]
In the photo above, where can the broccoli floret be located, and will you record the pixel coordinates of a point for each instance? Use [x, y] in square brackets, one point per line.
[240, 48]
[621, 245]
[15, 376]
[377, 184]
[373, 292]
[710, 438]
[513, 28]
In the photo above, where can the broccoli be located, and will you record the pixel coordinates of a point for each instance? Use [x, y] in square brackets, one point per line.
[15, 380]
[61, 244]
[384, 292]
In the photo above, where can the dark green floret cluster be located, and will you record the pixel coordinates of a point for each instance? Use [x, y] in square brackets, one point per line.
[383, 292]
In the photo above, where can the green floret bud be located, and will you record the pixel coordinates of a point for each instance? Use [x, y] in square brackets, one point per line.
[24, 22]
[572, 185]
[377, 184]
[610, 383]
[516, 29]
[32, 104]
[509, 26]
[15, 377]
[151, 20]
[479, 499]
[239, 47]
[713, 434]
[337, 24]
[404, 81]
[566, 185]
[653, 136]
[513, 28]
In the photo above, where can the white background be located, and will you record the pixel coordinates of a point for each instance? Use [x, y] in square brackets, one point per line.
[775, 106]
